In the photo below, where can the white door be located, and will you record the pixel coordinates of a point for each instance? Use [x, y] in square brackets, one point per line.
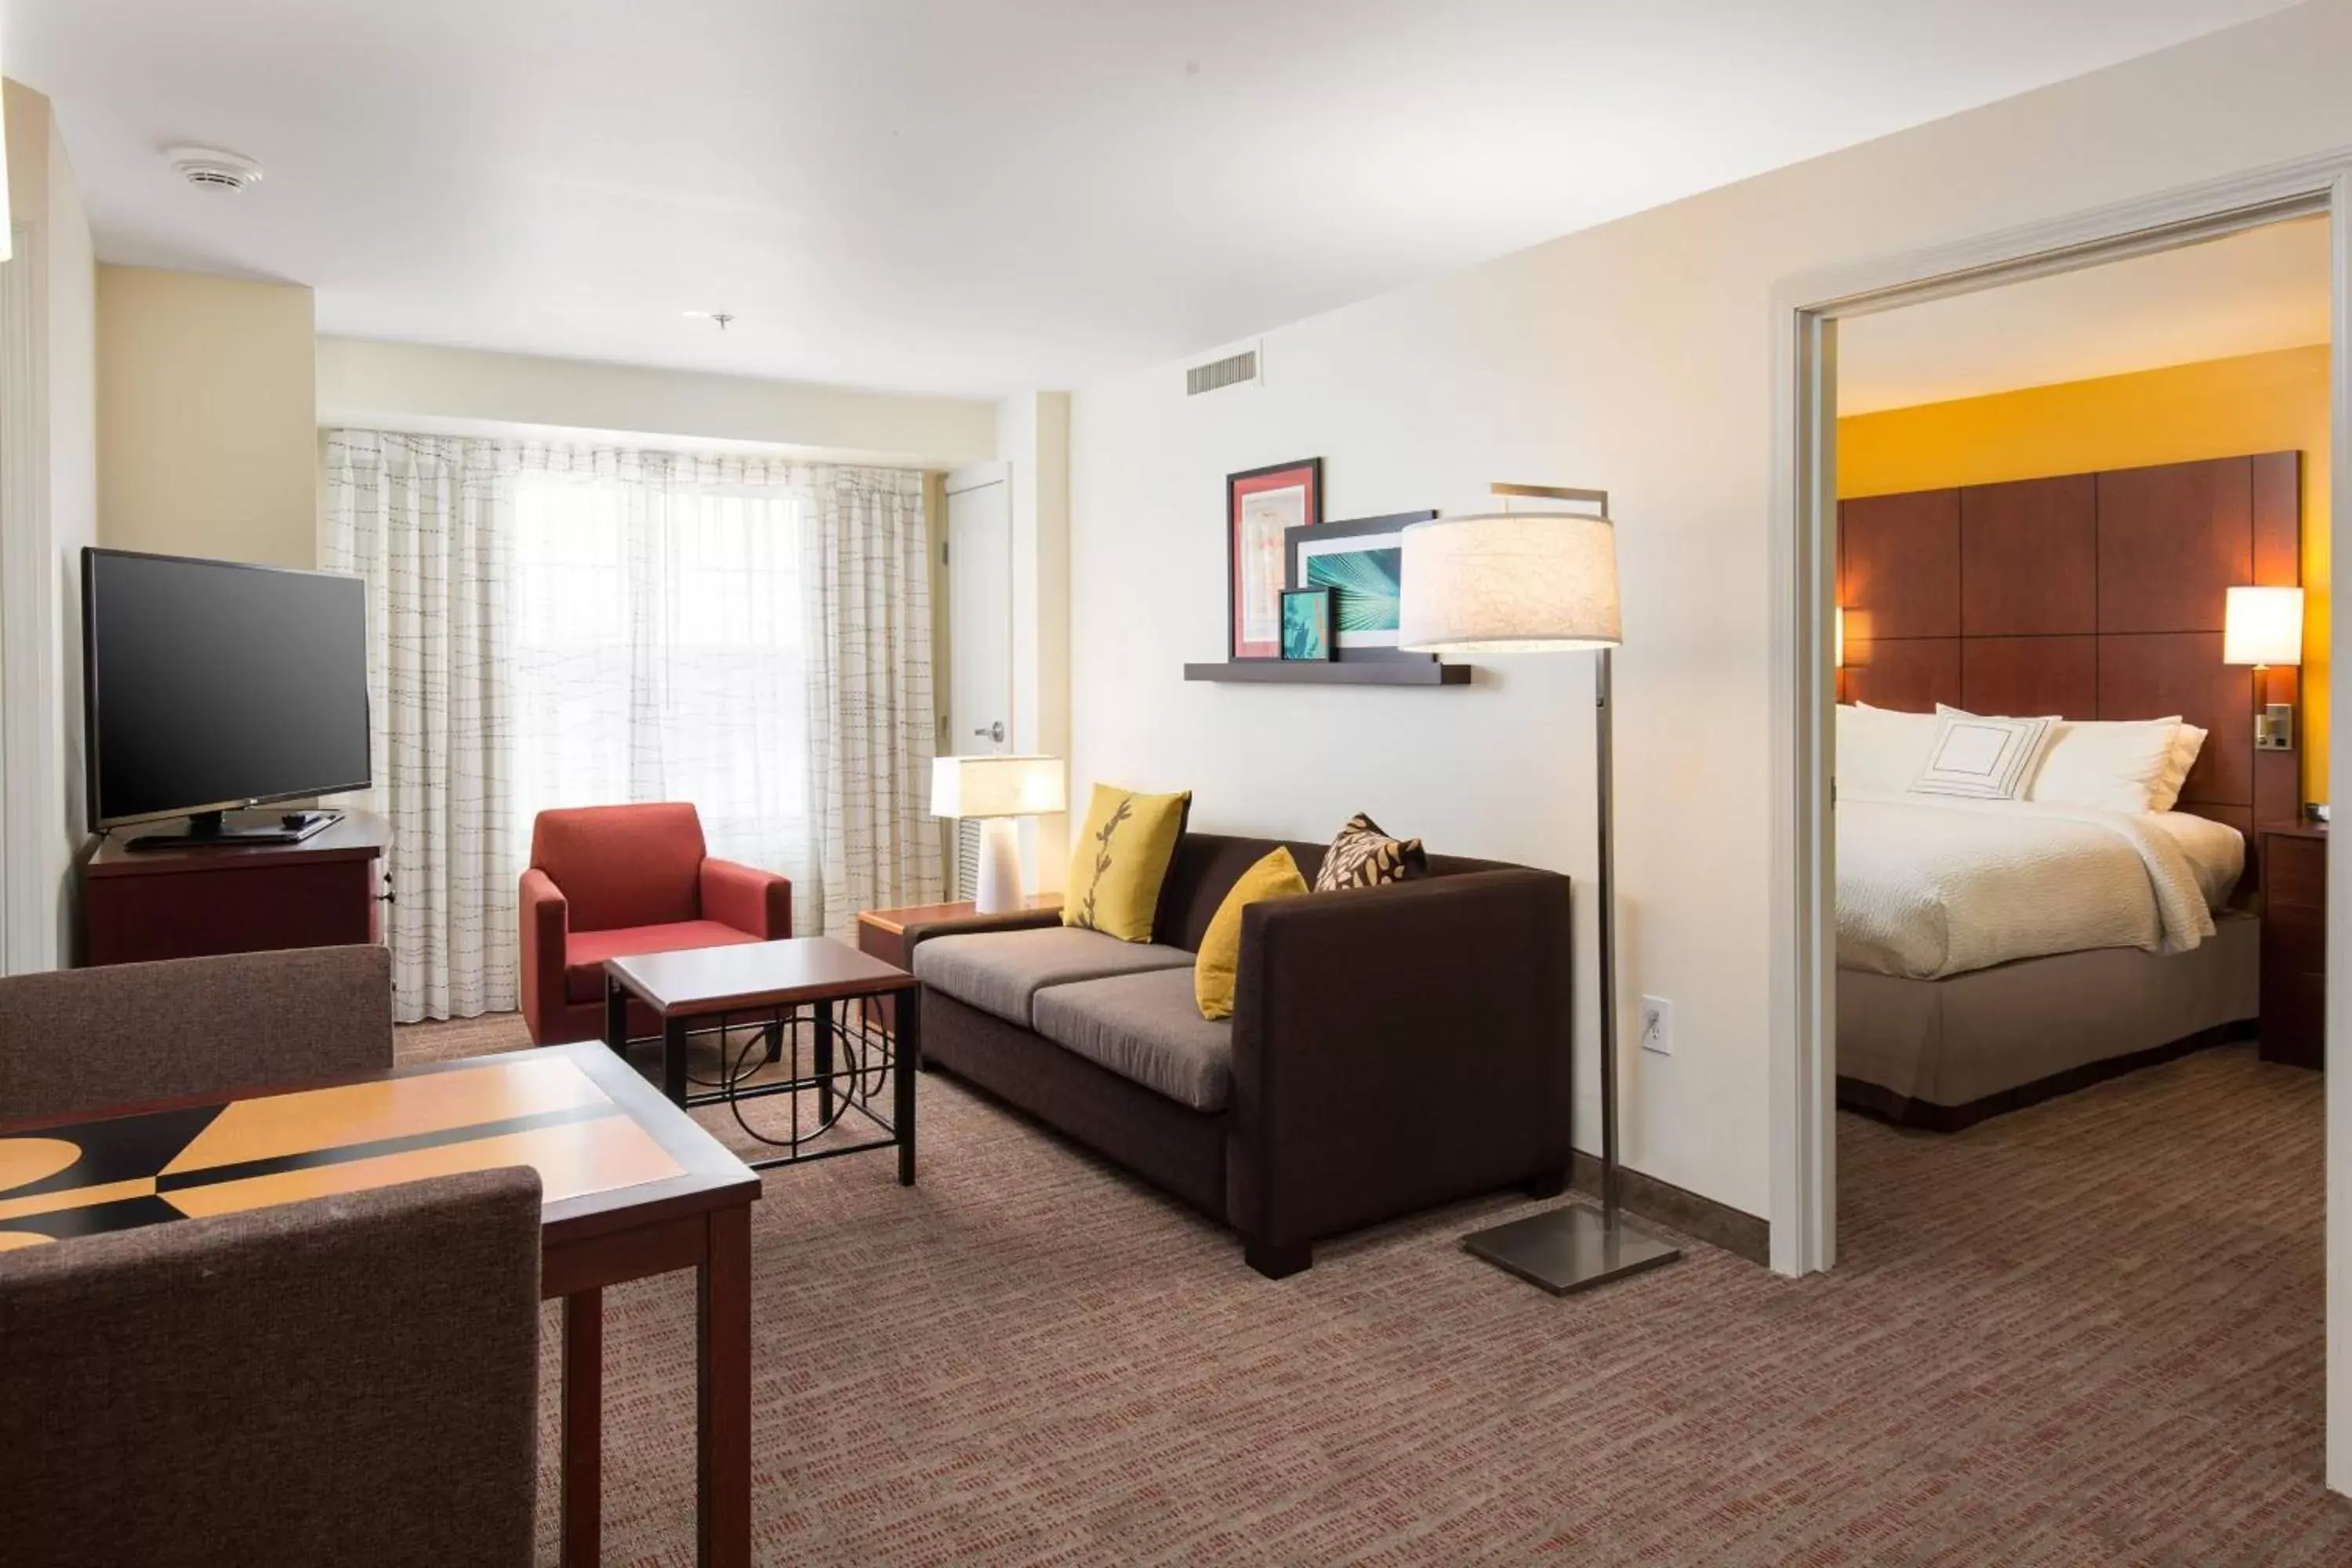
[980, 630]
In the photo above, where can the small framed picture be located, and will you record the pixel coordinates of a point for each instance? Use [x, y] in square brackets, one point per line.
[1307, 624]
[1261, 506]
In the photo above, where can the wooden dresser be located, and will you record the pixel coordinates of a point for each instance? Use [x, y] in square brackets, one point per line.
[2294, 943]
[326, 892]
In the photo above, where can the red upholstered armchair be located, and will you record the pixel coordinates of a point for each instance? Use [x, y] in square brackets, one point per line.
[609, 880]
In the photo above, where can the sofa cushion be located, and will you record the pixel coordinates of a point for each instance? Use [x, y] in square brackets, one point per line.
[1001, 971]
[584, 952]
[1145, 1028]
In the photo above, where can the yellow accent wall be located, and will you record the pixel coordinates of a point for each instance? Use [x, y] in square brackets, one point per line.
[2219, 408]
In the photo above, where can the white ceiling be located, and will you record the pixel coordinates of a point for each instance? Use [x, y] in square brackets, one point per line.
[2265, 289]
[966, 195]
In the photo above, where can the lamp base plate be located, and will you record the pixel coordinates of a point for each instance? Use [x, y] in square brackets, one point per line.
[1570, 1250]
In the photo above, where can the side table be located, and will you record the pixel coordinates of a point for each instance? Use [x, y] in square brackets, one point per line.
[882, 933]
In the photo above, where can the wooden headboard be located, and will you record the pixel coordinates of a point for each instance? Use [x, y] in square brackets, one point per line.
[2086, 595]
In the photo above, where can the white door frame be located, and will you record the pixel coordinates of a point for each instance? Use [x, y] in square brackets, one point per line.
[1805, 312]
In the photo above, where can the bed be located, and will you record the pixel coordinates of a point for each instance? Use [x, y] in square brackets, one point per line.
[1991, 954]
[2099, 910]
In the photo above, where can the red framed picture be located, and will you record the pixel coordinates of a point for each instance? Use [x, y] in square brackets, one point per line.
[1260, 503]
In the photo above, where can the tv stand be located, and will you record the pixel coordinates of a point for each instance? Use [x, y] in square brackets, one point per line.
[218, 827]
[193, 896]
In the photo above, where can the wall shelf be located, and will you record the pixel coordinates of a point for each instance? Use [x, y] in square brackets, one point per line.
[1319, 672]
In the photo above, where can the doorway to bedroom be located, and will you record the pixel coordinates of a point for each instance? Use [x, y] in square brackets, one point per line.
[2069, 627]
[2082, 670]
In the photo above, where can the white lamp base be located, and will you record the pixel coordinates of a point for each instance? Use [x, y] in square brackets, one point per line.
[999, 892]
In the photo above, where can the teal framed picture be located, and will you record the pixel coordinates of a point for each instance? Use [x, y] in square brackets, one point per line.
[1307, 624]
[1361, 563]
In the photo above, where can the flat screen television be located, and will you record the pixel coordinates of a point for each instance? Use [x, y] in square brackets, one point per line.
[211, 686]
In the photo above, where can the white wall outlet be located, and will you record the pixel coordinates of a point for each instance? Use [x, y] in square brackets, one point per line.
[1658, 1025]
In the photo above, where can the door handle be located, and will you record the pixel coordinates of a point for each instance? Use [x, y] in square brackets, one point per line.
[991, 732]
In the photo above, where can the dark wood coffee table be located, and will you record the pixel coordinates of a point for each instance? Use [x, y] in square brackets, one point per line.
[767, 984]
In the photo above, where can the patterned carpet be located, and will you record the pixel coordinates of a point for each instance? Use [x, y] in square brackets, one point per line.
[2089, 1332]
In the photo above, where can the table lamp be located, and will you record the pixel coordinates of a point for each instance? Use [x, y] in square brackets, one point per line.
[996, 790]
[1540, 583]
[2264, 627]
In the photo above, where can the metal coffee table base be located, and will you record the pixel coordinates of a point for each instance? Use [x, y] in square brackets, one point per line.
[853, 1061]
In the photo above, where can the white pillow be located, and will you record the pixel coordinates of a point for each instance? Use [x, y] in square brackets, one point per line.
[1880, 749]
[2105, 765]
[1982, 759]
[2187, 742]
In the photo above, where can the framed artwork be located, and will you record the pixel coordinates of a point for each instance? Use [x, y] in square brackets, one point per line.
[1361, 561]
[1262, 505]
[1306, 623]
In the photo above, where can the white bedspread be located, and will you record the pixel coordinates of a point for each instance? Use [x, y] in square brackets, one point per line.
[1930, 887]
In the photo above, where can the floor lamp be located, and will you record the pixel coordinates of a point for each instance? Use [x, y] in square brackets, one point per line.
[1540, 583]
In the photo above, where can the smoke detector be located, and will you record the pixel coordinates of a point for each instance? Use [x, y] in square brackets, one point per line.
[214, 169]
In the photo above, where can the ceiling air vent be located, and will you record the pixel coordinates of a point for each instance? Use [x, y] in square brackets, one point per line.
[212, 169]
[1234, 370]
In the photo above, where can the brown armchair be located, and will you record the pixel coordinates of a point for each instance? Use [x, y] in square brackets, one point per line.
[83, 1039]
[608, 881]
[353, 1380]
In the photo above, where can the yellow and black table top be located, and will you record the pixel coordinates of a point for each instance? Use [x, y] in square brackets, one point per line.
[546, 1108]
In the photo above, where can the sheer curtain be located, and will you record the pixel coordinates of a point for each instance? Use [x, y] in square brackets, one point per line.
[428, 522]
[750, 636]
[867, 560]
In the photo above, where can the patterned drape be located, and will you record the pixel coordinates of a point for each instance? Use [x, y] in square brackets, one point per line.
[428, 522]
[872, 725]
[568, 626]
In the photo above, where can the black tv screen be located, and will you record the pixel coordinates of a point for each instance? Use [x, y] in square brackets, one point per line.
[212, 685]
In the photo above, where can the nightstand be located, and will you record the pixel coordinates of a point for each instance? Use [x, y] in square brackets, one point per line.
[882, 933]
[2294, 943]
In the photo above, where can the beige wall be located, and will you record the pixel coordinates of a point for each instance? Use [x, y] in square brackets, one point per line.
[207, 408]
[410, 386]
[1635, 357]
[54, 439]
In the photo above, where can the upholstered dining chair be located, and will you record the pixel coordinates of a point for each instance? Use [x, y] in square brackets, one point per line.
[611, 881]
[350, 1380]
[84, 1040]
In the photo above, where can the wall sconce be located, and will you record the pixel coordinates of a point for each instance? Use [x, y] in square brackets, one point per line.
[2264, 627]
[1838, 638]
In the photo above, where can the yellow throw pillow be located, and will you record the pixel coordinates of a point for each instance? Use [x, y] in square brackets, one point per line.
[1120, 860]
[1220, 958]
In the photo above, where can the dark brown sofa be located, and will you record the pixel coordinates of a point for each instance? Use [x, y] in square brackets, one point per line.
[1390, 1047]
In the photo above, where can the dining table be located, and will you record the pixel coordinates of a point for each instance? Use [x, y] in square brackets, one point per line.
[631, 1187]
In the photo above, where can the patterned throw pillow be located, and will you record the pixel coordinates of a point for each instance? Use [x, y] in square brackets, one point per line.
[1983, 759]
[1364, 857]
[1120, 860]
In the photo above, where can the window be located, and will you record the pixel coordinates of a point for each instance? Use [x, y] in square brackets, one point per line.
[658, 653]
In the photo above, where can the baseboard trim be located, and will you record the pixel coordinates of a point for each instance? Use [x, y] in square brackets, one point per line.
[1738, 1232]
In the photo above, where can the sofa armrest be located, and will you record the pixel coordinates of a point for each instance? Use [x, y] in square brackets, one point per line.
[546, 932]
[755, 902]
[1397, 1047]
[964, 925]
